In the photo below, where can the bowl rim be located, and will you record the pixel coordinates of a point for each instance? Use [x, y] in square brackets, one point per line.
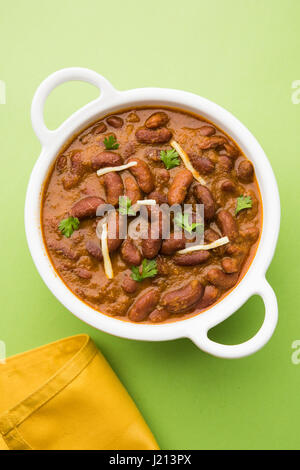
[112, 100]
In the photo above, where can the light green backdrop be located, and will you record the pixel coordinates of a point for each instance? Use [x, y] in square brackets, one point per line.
[242, 54]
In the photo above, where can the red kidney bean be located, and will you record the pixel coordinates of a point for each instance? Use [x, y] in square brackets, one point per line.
[236, 252]
[115, 224]
[128, 149]
[231, 150]
[160, 198]
[211, 293]
[132, 190]
[184, 298]
[204, 196]
[153, 136]
[63, 250]
[210, 235]
[228, 186]
[172, 244]
[233, 249]
[156, 120]
[245, 171]
[61, 163]
[211, 142]
[115, 121]
[113, 187]
[220, 279]
[192, 259]
[144, 305]
[227, 224]
[86, 207]
[159, 315]
[207, 130]
[128, 284]
[179, 187]
[143, 175]
[83, 273]
[225, 163]
[106, 158]
[230, 265]
[202, 164]
[99, 129]
[70, 180]
[93, 248]
[151, 245]
[153, 154]
[130, 252]
[162, 176]
[76, 164]
[250, 233]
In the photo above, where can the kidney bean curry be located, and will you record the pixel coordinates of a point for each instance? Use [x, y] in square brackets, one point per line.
[159, 156]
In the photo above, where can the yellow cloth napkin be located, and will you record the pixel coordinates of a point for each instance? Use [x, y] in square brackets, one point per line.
[66, 396]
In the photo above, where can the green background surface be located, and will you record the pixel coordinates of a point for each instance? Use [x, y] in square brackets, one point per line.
[242, 54]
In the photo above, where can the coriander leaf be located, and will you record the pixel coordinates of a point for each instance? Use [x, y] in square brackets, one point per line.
[125, 207]
[149, 269]
[135, 274]
[182, 220]
[67, 226]
[243, 202]
[110, 143]
[170, 158]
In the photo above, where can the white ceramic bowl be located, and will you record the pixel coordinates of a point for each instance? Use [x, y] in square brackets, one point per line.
[254, 282]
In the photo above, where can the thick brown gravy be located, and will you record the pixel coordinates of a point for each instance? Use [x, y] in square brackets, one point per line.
[180, 288]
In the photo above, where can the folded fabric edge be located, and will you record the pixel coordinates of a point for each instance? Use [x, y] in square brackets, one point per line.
[68, 372]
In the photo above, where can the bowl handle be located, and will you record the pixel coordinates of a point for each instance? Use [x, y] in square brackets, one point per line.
[252, 345]
[44, 134]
